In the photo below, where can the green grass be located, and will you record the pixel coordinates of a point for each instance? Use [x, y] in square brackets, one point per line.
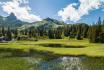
[90, 49]
[91, 63]
[13, 63]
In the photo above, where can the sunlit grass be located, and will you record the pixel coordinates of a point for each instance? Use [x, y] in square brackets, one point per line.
[13, 63]
[90, 49]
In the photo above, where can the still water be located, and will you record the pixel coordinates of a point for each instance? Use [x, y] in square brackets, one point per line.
[68, 63]
[47, 61]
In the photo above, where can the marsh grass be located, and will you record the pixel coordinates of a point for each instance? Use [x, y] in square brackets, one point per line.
[12, 54]
[59, 47]
[93, 63]
[13, 63]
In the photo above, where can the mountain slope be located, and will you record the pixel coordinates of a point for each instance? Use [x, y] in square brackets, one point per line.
[45, 23]
[13, 22]
[10, 21]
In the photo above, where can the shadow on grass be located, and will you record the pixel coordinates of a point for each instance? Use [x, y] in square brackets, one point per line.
[60, 46]
[10, 52]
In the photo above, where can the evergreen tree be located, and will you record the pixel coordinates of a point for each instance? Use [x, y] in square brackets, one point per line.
[51, 34]
[93, 34]
[9, 35]
[78, 36]
[99, 30]
[30, 33]
[85, 31]
[58, 33]
[15, 33]
[73, 31]
[3, 31]
[66, 31]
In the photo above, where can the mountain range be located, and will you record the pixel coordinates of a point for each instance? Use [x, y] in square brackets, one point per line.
[13, 22]
[10, 21]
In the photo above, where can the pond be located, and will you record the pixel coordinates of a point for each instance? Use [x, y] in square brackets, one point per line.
[68, 63]
[60, 46]
[34, 60]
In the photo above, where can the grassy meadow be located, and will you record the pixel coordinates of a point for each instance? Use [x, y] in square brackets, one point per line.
[60, 47]
[14, 63]
[14, 54]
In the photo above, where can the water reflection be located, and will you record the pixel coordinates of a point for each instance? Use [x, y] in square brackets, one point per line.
[61, 63]
[72, 63]
[48, 61]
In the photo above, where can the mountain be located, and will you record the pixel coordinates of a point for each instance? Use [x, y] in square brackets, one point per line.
[13, 22]
[10, 21]
[12, 17]
[45, 23]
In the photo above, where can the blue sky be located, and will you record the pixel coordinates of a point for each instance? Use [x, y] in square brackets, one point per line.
[48, 8]
[40, 9]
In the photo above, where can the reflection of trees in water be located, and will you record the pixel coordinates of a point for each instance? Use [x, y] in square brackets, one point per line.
[62, 63]
[47, 61]
[72, 63]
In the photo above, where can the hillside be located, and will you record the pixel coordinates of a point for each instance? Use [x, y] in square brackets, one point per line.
[45, 23]
[10, 21]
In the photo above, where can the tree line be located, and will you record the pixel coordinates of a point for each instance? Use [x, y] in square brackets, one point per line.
[80, 31]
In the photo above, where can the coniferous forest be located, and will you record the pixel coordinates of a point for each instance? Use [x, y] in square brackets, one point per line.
[94, 32]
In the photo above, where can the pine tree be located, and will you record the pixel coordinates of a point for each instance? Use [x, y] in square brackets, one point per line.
[30, 33]
[9, 35]
[15, 33]
[73, 31]
[93, 34]
[51, 34]
[3, 31]
[58, 33]
[66, 31]
[85, 31]
[78, 36]
[99, 30]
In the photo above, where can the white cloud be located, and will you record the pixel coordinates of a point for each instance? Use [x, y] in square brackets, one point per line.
[85, 6]
[0, 3]
[21, 12]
